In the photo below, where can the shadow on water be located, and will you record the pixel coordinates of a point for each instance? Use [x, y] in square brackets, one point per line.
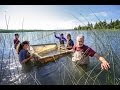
[27, 67]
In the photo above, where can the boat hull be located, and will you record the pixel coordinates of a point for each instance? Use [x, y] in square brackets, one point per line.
[45, 53]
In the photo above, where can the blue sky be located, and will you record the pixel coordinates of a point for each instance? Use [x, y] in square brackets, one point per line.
[49, 17]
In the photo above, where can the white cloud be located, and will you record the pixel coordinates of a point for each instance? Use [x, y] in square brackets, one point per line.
[35, 17]
[36, 22]
[41, 17]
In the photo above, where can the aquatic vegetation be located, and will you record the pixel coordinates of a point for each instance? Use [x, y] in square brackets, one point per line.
[63, 71]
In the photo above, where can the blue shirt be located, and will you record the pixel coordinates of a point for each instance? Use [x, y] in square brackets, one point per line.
[61, 39]
[22, 55]
[71, 43]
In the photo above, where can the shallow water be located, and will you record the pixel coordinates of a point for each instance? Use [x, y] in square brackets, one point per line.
[62, 71]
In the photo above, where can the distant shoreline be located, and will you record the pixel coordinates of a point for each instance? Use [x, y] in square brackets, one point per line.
[14, 31]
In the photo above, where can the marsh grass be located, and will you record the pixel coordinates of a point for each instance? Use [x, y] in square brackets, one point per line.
[69, 73]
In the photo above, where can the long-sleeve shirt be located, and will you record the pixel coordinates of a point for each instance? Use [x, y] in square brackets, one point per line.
[61, 39]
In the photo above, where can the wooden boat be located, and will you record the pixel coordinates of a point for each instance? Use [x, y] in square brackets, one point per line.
[45, 53]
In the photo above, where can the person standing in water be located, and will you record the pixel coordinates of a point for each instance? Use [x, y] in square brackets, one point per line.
[70, 42]
[24, 56]
[23, 53]
[16, 40]
[61, 38]
[82, 53]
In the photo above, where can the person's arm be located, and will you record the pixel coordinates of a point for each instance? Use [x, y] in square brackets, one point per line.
[22, 57]
[56, 36]
[104, 64]
[64, 39]
[70, 45]
[25, 60]
[73, 49]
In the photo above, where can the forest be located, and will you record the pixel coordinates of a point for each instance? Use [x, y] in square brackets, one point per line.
[100, 25]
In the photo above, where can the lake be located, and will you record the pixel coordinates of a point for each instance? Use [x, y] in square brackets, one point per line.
[62, 71]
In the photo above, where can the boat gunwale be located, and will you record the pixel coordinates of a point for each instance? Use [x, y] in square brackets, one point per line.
[44, 44]
[56, 54]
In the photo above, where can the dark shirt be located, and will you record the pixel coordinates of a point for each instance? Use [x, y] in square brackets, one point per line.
[70, 43]
[87, 50]
[23, 54]
[61, 39]
[16, 42]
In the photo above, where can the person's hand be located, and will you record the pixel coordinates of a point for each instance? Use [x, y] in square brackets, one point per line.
[30, 57]
[105, 65]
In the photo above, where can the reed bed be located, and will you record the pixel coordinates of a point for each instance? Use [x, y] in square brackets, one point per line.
[105, 43]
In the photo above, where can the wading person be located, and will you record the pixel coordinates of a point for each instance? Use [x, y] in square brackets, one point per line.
[24, 56]
[82, 53]
[16, 40]
[61, 38]
[70, 42]
[23, 53]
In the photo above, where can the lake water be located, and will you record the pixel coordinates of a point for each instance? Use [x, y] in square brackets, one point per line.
[63, 71]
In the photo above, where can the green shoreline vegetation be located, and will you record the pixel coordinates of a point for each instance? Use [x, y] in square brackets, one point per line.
[101, 25]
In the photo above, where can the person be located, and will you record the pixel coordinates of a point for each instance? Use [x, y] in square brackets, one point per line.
[82, 53]
[70, 42]
[16, 40]
[23, 53]
[61, 38]
[24, 56]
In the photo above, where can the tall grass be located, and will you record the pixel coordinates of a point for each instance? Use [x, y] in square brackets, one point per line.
[69, 73]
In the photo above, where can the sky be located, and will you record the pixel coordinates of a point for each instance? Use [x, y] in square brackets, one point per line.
[55, 17]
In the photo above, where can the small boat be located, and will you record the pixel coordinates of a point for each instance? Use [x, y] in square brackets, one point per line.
[48, 52]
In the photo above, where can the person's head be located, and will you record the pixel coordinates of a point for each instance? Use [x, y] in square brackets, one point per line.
[61, 35]
[80, 40]
[16, 36]
[68, 36]
[23, 45]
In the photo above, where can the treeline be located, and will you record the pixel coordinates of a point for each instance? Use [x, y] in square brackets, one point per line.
[100, 25]
[14, 31]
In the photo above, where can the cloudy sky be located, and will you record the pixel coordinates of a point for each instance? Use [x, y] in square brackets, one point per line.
[49, 17]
